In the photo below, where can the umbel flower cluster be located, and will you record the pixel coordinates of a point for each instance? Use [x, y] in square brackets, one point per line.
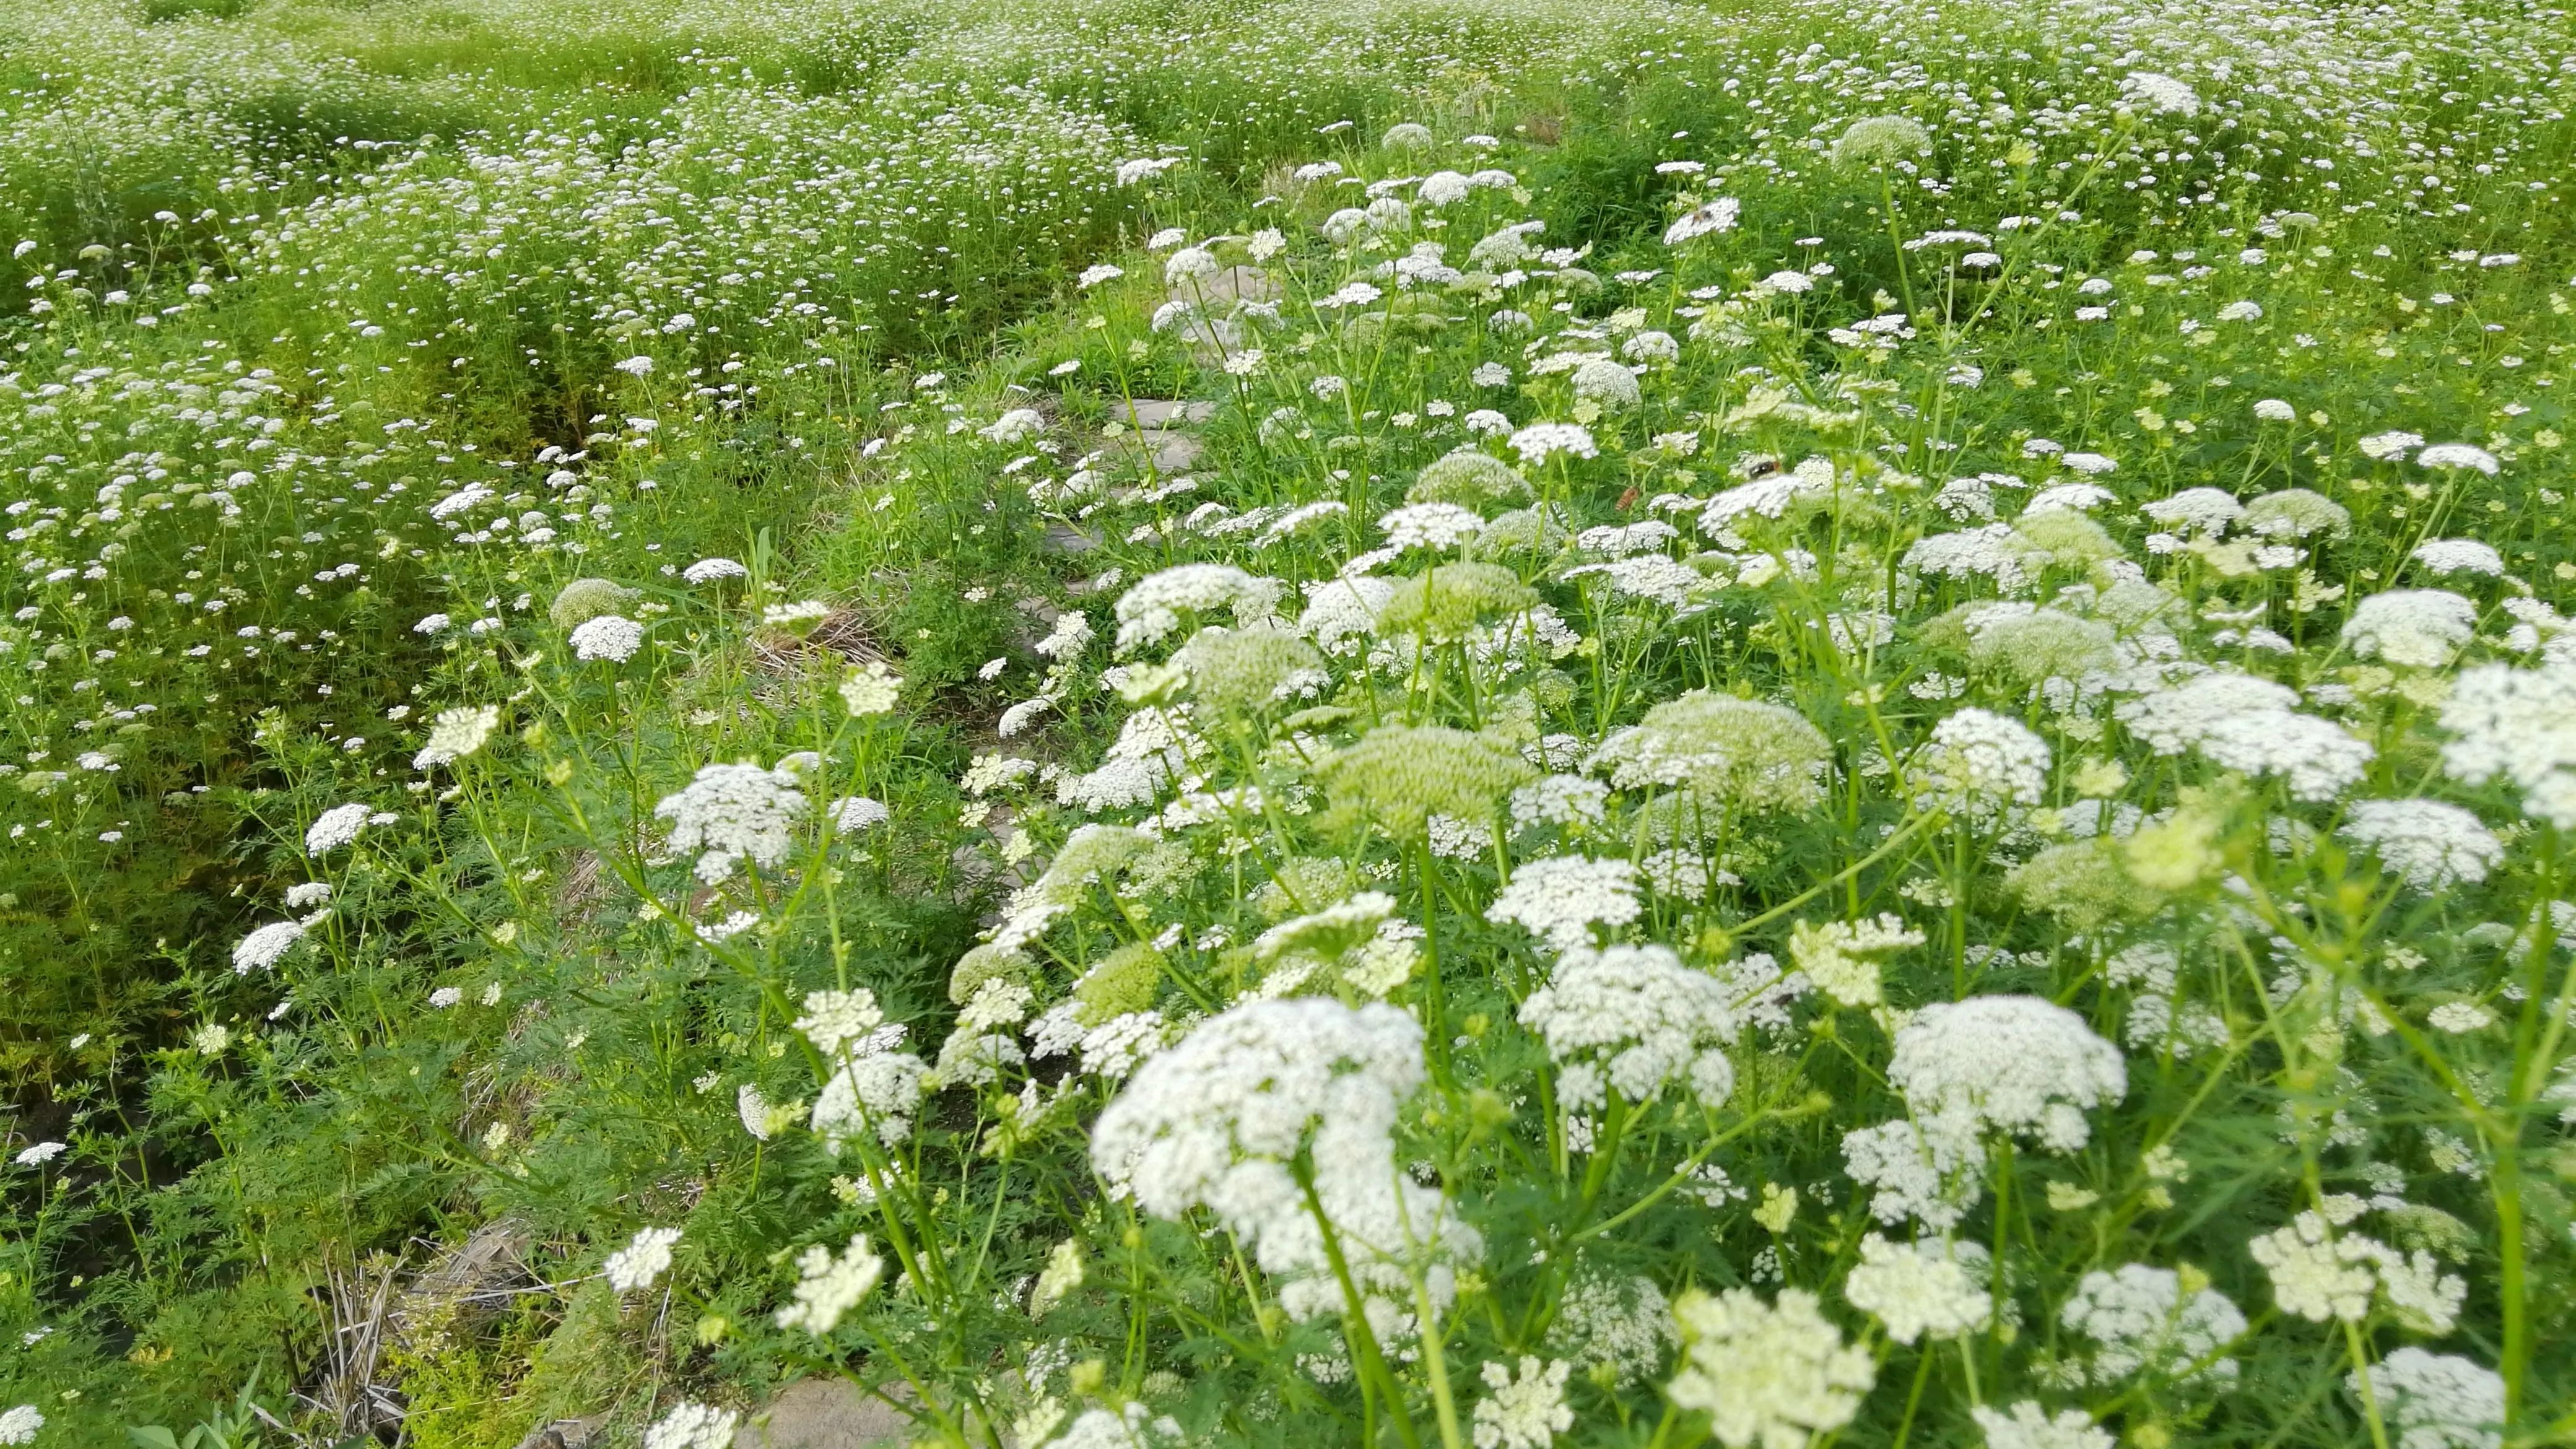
[1848, 727]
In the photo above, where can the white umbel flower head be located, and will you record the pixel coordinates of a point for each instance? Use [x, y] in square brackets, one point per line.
[2145, 1321]
[1842, 958]
[2028, 1426]
[20, 1425]
[2430, 845]
[267, 946]
[1631, 1020]
[646, 1257]
[2521, 724]
[1561, 898]
[612, 637]
[1772, 1375]
[733, 813]
[709, 570]
[2159, 93]
[2016, 1064]
[829, 1286]
[2418, 628]
[1153, 609]
[1929, 1287]
[455, 734]
[1523, 1411]
[334, 828]
[2437, 1400]
[692, 1425]
[1220, 1120]
[1978, 765]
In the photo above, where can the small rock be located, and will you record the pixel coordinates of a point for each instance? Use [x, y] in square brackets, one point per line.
[561, 1434]
[1173, 452]
[824, 1414]
[1065, 538]
[1148, 412]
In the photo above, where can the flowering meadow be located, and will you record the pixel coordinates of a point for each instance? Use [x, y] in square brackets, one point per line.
[1414, 725]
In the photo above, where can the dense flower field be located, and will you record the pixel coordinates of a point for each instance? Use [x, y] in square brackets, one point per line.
[1472, 722]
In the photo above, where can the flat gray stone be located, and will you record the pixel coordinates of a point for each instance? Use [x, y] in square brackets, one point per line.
[1172, 452]
[1151, 412]
[1065, 538]
[824, 1414]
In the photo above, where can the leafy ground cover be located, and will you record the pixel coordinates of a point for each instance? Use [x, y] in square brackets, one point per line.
[1453, 723]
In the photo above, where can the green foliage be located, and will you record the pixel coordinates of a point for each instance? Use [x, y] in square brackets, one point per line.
[1997, 373]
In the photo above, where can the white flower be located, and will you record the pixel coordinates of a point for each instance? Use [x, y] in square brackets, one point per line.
[878, 1089]
[828, 1286]
[2459, 1018]
[1524, 1412]
[1151, 610]
[1606, 384]
[2145, 1323]
[334, 828]
[2320, 1276]
[267, 946]
[2418, 628]
[1707, 219]
[19, 1425]
[2017, 1064]
[708, 570]
[1134, 1427]
[2443, 557]
[692, 1425]
[1918, 1288]
[1218, 1121]
[1979, 764]
[752, 1109]
[1069, 636]
[837, 1021]
[733, 813]
[2432, 846]
[2451, 456]
[1842, 957]
[646, 1257]
[871, 690]
[1012, 426]
[2029, 1426]
[1632, 1019]
[1430, 525]
[2520, 724]
[2274, 410]
[2159, 92]
[2246, 724]
[2196, 510]
[610, 637]
[851, 814]
[2383, 446]
[1769, 1375]
[39, 1154]
[2437, 1400]
[1621, 1324]
[1561, 898]
[445, 997]
[1541, 441]
[636, 367]
[1093, 276]
[455, 734]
